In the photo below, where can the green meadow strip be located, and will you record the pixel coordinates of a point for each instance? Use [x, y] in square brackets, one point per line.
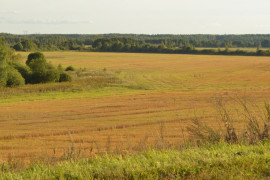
[220, 161]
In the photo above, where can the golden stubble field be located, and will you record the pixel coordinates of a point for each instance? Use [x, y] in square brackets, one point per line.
[155, 102]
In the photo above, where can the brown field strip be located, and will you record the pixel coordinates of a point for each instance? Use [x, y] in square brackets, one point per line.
[87, 117]
[50, 124]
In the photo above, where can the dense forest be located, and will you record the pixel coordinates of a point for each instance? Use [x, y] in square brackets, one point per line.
[140, 43]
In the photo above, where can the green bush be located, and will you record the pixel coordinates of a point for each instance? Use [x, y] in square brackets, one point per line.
[38, 64]
[52, 75]
[36, 55]
[45, 76]
[70, 68]
[18, 47]
[25, 71]
[64, 77]
[38, 70]
[14, 78]
[60, 68]
[3, 74]
[43, 72]
[28, 45]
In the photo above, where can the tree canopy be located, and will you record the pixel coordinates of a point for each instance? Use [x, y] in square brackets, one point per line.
[36, 70]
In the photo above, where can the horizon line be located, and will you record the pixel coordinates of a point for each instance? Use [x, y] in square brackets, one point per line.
[148, 34]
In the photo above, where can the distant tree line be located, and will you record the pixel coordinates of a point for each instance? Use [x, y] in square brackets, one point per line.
[35, 70]
[41, 42]
[131, 45]
[140, 43]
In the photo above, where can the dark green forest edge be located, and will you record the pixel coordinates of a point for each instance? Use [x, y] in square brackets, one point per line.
[177, 44]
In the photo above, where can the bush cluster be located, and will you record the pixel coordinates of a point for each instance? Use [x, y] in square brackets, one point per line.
[70, 68]
[36, 70]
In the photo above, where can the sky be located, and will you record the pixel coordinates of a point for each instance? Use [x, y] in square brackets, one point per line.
[135, 16]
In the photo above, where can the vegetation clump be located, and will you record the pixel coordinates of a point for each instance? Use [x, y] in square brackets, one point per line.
[70, 68]
[42, 71]
[64, 77]
[37, 69]
[14, 78]
[33, 56]
[9, 76]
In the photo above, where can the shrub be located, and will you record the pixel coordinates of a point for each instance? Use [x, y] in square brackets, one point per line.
[28, 45]
[3, 74]
[24, 71]
[64, 77]
[18, 47]
[8, 75]
[36, 55]
[51, 75]
[37, 64]
[60, 68]
[45, 76]
[14, 78]
[38, 70]
[43, 72]
[70, 68]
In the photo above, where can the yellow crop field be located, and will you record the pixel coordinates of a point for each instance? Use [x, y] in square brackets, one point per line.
[146, 98]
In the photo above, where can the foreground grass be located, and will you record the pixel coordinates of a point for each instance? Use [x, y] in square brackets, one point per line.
[221, 161]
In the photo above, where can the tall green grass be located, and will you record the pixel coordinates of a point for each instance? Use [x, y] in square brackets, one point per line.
[219, 161]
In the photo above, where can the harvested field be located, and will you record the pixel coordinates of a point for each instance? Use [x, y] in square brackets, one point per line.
[153, 100]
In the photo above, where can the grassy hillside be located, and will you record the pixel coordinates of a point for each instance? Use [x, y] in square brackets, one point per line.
[220, 161]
